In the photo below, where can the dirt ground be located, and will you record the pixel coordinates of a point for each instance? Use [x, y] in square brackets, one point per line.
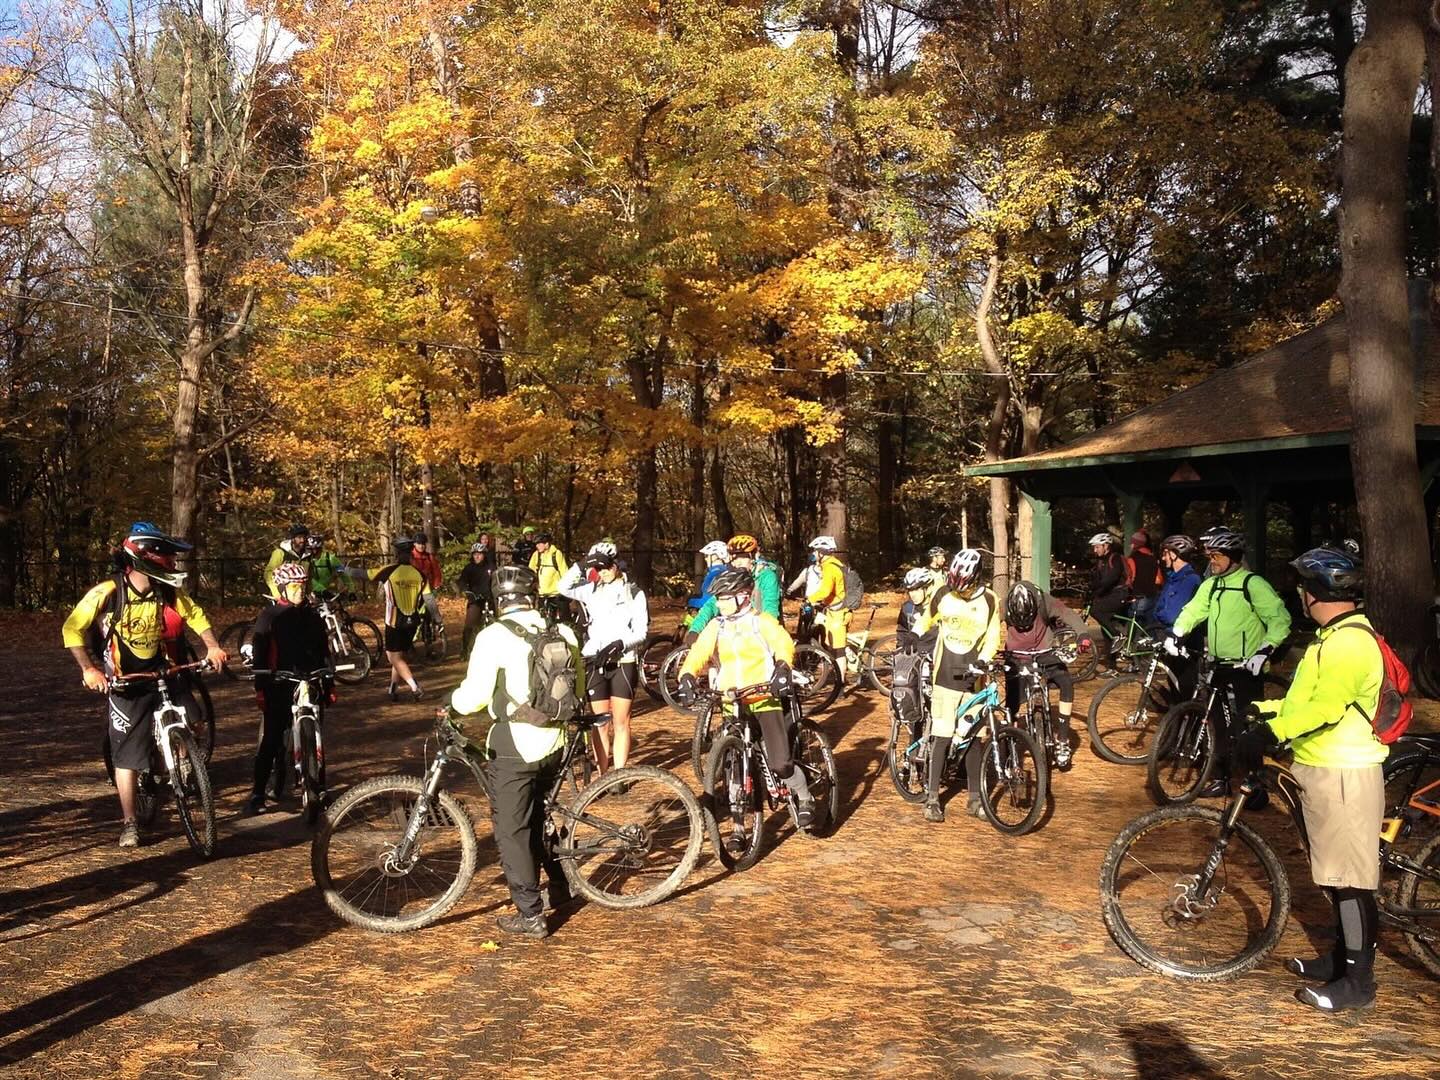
[892, 948]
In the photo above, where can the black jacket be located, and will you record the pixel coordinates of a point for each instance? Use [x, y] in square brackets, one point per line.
[1107, 578]
[289, 638]
[475, 577]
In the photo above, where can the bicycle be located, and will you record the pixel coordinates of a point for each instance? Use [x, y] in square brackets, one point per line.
[653, 654]
[175, 760]
[1125, 712]
[1036, 717]
[1078, 654]
[816, 690]
[1130, 647]
[302, 762]
[430, 635]
[344, 642]
[1012, 793]
[487, 616]
[738, 777]
[397, 852]
[1198, 894]
[1413, 764]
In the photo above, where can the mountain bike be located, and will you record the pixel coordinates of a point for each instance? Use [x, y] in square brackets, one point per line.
[397, 852]
[861, 659]
[1125, 712]
[346, 646]
[740, 785]
[1014, 780]
[1077, 652]
[1130, 643]
[1413, 764]
[357, 627]
[430, 636]
[653, 654]
[1035, 715]
[176, 762]
[1197, 893]
[815, 691]
[301, 764]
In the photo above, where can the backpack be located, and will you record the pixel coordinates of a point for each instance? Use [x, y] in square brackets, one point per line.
[1393, 712]
[554, 678]
[1129, 572]
[98, 641]
[854, 590]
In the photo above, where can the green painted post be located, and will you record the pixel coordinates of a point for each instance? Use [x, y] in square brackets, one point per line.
[1253, 500]
[1132, 516]
[1040, 526]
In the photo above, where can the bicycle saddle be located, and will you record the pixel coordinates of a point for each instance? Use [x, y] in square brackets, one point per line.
[1430, 740]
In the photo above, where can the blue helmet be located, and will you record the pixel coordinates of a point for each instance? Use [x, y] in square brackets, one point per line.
[1329, 574]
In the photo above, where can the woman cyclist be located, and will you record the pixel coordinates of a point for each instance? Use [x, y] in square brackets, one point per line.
[1030, 617]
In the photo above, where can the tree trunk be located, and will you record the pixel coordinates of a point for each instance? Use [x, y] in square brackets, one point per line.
[647, 383]
[724, 519]
[1381, 79]
[995, 429]
[697, 461]
[830, 507]
[887, 475]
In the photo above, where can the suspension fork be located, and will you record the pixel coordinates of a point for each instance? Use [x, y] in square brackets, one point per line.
[1211, 866]
[421, 810]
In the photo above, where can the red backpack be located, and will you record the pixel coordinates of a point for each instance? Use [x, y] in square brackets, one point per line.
[1394, 712]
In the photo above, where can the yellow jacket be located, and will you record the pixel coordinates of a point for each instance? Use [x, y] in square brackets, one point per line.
[830, 590]
[748, 647]
[142, 624]
[549, 568]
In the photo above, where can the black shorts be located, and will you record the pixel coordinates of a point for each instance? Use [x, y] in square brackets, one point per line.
[400, 638]
[620, 683]
[130, 719]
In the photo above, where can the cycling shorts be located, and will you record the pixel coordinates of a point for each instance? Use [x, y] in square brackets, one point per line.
[400, 638]
[837, 627]
[620, 683]
[130, 718]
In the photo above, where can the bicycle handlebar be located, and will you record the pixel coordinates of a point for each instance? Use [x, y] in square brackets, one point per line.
[296, 676]
[156, 676]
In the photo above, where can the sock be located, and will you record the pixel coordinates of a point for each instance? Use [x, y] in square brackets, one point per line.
[1359, 923]
[1065, 708]
[797, 783]
[939, 754]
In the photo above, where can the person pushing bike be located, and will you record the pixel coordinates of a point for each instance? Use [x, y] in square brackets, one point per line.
[126, 614]
[1031, 615]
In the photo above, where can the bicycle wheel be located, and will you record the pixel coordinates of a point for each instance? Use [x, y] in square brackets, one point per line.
[909, 759]
[357, 656]
[1124, 714]
[1079, 656]
[652, 656]
[312, 793]
[669, 679]
[736, 798]
[1013, 781]
[632, 837]
[1182, 755]
[1427, 670]
[193, 798]
[877, 662]
[708, 718]
[353, 856]
[582, 767]
[232, 638]
[369, 635]
[1148, 882]
[813, 754]
[1422, 890]
[1407, 769]
[823, 685]
[282, 777]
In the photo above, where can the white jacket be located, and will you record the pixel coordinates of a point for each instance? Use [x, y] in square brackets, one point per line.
[617, 612]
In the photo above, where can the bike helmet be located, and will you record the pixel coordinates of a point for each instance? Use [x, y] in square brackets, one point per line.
[964, 568]
[544, 538]
[1328, 574]
[1226, 541]
[936, 552]
[918, 578]
[743, 544]
[1350, 546]
[715, 549]
[1022, 606]
[153, 553]
[296, 530]
[420, 538]
[824, 543]
[1181, 545]
[605, 549]
[1104, 538]
[513, 585]
[733, 582]
[403, 545]
[477, 547]
[291, 573]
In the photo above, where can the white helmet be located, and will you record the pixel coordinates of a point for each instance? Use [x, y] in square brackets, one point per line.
[963, 568]
[1102, 538]
[604, 547]
[823, 543]
[918, 578]
[716, 549]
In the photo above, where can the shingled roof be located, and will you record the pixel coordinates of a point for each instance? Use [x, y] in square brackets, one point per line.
[1294, 393]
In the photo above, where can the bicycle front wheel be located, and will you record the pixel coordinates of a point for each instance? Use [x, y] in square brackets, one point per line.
[652, 656]
[357, 657]
[877, 661]
[1124, 714]
[822, 678]
[232, 638]
[707, 725]
[632, 837]
[1150, 895]
[734, 806]
[908, 759]
[1182, 755]
[1014, 780]
[1422, 891]
[370, 637]
[353, 856]
[669, 679]
[193, 798]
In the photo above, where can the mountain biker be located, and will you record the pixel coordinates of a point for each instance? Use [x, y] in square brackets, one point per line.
[294, 548]
[1245, 622]
[753, 648]
[1144, 574]
[717, 556]
[289, 636]
[404, 589]
[474, 582]
[936, 560]
[1030, 617]
[424, 560]
[919, 584]
[1326, 717]
[1108, 593]
[324, 565]
[743, 550]
[965, 621]
[524, 547]
[549, 566]
[1181, 582]
[618, 622]
[808, 579]
[522, 759]
[128, 613]
[828, 596]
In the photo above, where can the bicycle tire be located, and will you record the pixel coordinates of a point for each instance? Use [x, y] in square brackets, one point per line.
[820, 668]
[877, 661]
[1174, 780]
[1425, 948]
[708, 718]
[1406, 770]
[1129, 938]
[670, 679]
[1427, 670]
[814, 755]
[748, 805]
[1003, 777]
[232, 638]
[204, 730]
[1136, 724]
[909, 778]
[391, 799]
[369, 635]
[657, 647]
[1083, 667]
[357, 655]
[201, 833]
[582, 768]
[664, 821]
[312, 794]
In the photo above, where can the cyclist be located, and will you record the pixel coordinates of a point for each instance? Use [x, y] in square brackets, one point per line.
[1030, 617]
[1108, 593]
[935, 562]
[743, 551]
[474, 582]
[523, 548]
[289, 636]
[919, 584]
[1144, 574]
[717, 556]
[324, 565]
[1245, 622]
[404, 589]
[808, 579]
[618, 621]
[965, 621]
[424, 560]
[828, 596]
[294, 548]
[753, 648]
[522, 758]
[124, 618]
[549, 566]
[1181, 582]
[1326, 717]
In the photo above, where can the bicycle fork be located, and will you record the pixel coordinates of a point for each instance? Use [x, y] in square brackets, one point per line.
[404, 852]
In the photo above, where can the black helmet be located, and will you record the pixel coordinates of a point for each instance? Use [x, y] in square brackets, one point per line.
[935, 552]
[1022, 606]
[733, 582]
[1181, 545]
[420, 538]
[1328, 574]
[402, 544]
[1226, 541]
[544, 538]
[296, 530]
[513, 585]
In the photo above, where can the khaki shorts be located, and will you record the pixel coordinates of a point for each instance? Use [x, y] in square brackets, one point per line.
[837, 626]
[1343, 810]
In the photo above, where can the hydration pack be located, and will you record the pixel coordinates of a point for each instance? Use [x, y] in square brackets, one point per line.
[554, 678]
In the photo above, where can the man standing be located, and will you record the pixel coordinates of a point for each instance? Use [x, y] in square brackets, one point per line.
[1144, 574]
[524, 547]
[474, 582]
[294, 548]
[549, 565]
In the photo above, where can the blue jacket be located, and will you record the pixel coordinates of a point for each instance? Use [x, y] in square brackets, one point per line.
[1180, 585]
[695, 603]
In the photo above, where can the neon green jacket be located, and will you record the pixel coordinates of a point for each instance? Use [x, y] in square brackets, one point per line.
[1243, 612]
[1319, 717]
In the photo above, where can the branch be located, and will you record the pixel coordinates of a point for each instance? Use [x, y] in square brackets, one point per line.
[232, 331]
[233, 434]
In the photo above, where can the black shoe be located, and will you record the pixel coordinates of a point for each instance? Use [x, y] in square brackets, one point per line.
[1257, 800]
[1343, 993]
[1321, 969]
[255, 806]
[531, 926]
[805, 814]
[416, 693]
[1215, 789]
[557, 897]
[622, 787]
[390, 693]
